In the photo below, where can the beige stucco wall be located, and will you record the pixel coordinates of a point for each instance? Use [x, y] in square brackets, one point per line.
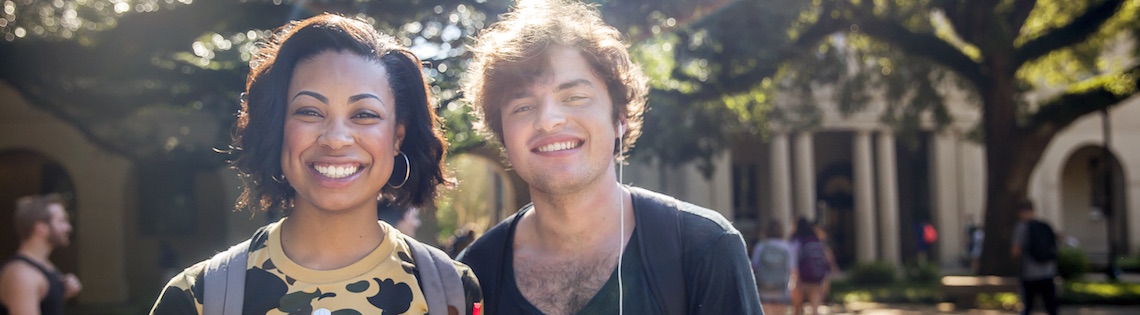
[1046, 185]
[687, 183]
[99, 178]
[110, 253]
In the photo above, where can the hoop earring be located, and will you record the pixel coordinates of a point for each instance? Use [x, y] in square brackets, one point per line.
[281, 180]
[407, 171]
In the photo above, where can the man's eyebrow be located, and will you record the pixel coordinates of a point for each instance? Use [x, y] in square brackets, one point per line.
[573, 84]
[524, 93]
[315, 95]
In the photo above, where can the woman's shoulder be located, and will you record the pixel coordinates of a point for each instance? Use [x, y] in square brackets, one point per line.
[183, 293]
[466, 275]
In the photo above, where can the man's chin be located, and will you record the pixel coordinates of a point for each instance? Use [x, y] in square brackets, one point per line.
[61, 243]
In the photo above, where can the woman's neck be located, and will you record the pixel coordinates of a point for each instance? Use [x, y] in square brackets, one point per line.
[323, 240]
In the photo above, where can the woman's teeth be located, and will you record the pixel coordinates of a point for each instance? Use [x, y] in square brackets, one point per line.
[331, 171]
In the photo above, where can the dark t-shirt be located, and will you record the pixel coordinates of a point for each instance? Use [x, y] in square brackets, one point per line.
[717, 273]
[604, 302]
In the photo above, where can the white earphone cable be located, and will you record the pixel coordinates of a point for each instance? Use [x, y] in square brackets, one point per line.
[621, 237]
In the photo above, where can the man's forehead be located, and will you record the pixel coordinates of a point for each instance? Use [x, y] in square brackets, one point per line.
[57, 209]
[559, 67]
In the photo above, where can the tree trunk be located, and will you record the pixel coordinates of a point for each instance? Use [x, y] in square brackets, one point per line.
[1003, 190]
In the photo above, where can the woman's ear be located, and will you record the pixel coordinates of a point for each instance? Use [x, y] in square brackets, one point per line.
[399, 138]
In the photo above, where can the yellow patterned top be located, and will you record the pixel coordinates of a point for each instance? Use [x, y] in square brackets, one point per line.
[384, 282]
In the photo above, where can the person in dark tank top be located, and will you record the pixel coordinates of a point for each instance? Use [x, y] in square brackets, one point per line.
[29, 283]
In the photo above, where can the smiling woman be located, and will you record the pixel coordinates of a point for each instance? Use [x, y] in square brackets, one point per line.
[336, 118]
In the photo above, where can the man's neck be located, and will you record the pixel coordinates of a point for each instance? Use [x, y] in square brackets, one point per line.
[36, 249]
[324, 241]
[579, 221]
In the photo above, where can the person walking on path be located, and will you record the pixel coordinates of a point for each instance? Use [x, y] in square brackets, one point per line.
[1035, 243]
[774, 263]
[815, 263]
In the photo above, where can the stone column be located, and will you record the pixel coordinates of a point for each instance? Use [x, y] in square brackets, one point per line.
[865, 231]
[805, 175]
[888, 199]
[946, 215]
[781, 180]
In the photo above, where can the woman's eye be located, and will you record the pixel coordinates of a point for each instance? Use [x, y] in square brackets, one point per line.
[307, 112]
[521, 108]
[366, 115]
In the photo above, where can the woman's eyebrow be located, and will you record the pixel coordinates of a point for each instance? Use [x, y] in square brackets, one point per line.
[315, 95]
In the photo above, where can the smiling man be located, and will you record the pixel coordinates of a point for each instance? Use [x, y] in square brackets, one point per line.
[555, 85]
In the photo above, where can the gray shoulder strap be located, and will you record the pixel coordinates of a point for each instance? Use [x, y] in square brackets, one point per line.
[225, 281]
[438, 279]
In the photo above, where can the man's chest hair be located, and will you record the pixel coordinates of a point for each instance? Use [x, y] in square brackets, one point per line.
[562, 286]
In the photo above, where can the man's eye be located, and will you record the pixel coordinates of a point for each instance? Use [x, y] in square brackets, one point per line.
[521, 108]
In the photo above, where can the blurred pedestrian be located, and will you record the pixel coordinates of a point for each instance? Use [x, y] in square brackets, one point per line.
[1035, 243]
[167, 261]
[405, 219]
[926, 235]
[814, 265]
[462, 238]
[773, 263]
[29, 282]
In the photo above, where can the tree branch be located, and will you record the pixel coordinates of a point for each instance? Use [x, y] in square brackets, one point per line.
[1020, 12]
[924, 45]
[1094, 95]
[1073, 33]
[969, 18]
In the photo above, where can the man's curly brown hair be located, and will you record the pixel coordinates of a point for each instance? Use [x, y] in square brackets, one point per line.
[513, 51]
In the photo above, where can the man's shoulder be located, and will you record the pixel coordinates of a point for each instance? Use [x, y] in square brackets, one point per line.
[1040, 223]
[488, 245]
[21, 274]
[694, 218]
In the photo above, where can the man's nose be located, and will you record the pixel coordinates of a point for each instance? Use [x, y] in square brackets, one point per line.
[550, 116]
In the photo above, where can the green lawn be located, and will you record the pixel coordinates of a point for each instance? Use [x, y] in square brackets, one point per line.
[1075, 292]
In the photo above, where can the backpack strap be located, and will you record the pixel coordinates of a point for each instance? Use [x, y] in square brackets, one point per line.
[439, 279]
[659, 224]
[225, 281]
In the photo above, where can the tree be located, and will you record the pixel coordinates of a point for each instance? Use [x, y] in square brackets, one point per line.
[1000, 50]
[158, 82]
[104, 66]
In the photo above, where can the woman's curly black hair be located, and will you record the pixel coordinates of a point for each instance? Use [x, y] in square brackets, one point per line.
[259, 131]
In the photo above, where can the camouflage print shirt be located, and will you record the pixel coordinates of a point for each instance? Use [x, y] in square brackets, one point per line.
[384, 282]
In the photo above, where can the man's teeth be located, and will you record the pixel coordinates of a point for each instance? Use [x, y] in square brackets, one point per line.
[558, 146]
[335, 171]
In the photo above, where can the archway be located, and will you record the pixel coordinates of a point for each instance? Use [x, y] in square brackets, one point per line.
[836, 210]
[484, 194]
[1083, 197]
[24, 173]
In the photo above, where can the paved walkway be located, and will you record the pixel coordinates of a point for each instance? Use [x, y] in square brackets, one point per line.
[946, 308]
